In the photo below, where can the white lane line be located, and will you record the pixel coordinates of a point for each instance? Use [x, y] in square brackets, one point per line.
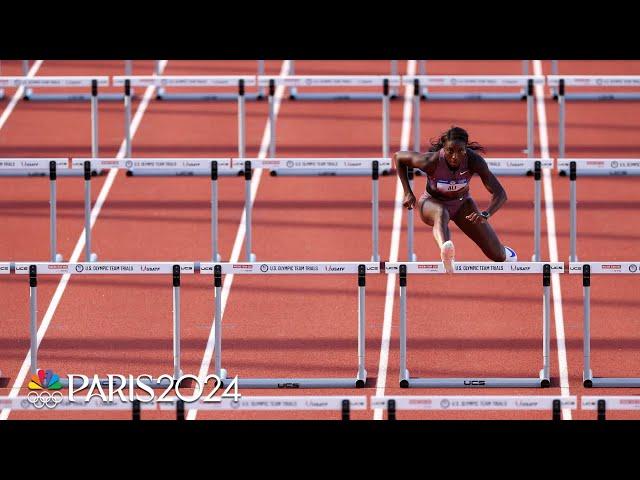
[237, 244]
[77, 251]
[395, 246]
[18, 95]
[553, 242]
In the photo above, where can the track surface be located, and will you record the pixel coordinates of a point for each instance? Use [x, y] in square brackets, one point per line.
[306, 326]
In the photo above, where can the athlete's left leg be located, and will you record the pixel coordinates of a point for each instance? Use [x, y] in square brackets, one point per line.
[482, 234]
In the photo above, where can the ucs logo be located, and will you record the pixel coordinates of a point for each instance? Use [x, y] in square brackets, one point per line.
[474, 383]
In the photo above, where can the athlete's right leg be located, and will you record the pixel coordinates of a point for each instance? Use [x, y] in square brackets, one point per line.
[436, 215]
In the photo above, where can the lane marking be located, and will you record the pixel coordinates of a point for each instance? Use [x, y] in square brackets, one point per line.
[18, 95]
[398, 211]
[553, 242]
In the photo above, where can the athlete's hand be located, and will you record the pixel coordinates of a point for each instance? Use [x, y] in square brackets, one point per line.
[475, 217]
[409, 200]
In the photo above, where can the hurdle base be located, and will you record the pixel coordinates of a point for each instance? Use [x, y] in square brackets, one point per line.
[104, 382]
[328, 96]
[294, 383]
[610, 382]
[205, 97]
[67, 97]
[469, 96]
[473, 383]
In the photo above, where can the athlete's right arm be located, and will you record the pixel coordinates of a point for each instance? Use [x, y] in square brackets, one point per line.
[402, 161]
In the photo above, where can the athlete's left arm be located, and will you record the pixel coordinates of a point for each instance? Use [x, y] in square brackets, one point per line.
[492, 184]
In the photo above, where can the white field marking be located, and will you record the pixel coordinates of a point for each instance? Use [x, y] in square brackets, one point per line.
[77, 251]
[18, 95]
[395, 246]
[553, 242]
[237, 244]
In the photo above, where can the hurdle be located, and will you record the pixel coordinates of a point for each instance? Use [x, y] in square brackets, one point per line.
[40, 167]
[470, 96]
[585, 81]
[342, 404]
[371, 167]
[66, 82]
[294, 95]
[30, 95]
[590, 167]
[382, 82]
[473, 403]
[25, 403]
[511, 167]
[586, 269]
[592, 81]
[207, 96]
[34, 269]
[609, 402]
[186, 81]
[214, 167]
[545, 269]
[359, 269]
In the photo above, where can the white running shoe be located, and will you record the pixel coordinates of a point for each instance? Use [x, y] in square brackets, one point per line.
[448, 253]
[510, 255]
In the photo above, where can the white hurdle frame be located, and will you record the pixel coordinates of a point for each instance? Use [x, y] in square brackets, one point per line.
[40, 167]
[359, 269]
[603, 81]
[590, 167]
[513, 167]
[30, 95]
[214, 167]
[471, 96]
[602, 403]
[371, 167]
[545, 269]
[332, 96]
[585, 82]
[34, 269]
[383, 82]
[162, 94]
[586, 269]
[67, 82]
[238, 81]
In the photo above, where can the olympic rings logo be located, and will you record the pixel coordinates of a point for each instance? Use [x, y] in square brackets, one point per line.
[44, 399]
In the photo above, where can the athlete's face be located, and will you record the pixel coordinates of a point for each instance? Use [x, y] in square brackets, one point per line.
[454, 152]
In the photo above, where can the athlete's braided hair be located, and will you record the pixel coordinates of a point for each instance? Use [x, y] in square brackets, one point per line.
[454, 133]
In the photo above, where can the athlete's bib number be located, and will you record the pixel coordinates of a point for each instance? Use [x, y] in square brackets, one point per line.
[451, 186]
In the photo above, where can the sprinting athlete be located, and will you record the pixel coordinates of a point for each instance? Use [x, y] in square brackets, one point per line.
[449, 164]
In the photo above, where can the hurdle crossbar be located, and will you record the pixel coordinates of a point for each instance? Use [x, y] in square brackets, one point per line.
[503, 167]
[371, 167]
[557, 83]
[590, 167]
[213, 167]
[470, 96]
[34, 269]
[473, 403]
[609, 402]
[379, 81]
[545, 269]
[343, 404]
[30, 95]
[562, 81]
[191, 81]
[359, 269]
[40, 167]
[586, 269]
[67, 82]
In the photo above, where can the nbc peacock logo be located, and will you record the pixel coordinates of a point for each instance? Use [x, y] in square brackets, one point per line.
[44, 386]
